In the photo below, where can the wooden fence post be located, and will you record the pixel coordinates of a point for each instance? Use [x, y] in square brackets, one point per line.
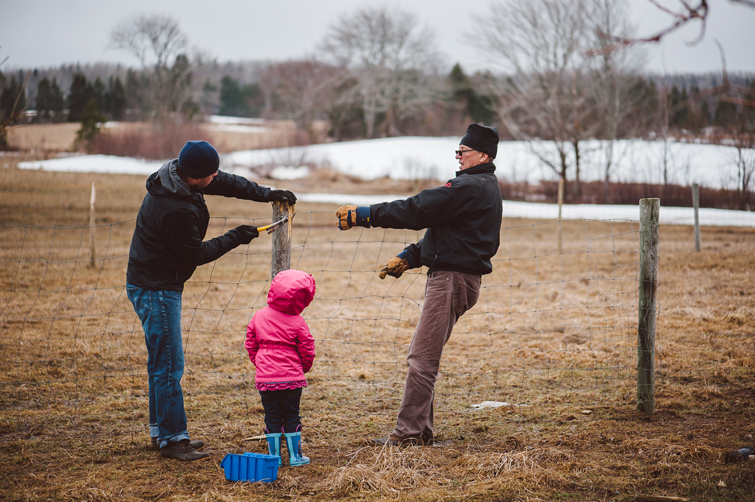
[696, 205]
[281, 256]
[91, 226]
[648, 282]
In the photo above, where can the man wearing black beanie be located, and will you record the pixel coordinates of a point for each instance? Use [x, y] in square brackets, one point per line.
[463, 222]
[167, 246]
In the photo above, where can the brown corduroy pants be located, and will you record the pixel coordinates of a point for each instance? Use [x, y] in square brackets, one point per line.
[447, 296]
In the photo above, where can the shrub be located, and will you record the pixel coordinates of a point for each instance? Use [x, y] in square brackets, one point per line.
[158, 142]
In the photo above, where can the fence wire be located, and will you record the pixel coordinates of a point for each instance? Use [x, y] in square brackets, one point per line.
[556, 321]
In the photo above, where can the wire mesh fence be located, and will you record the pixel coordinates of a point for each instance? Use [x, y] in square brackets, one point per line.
[556, 321]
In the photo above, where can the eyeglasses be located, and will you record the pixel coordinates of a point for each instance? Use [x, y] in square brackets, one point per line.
[462, 152]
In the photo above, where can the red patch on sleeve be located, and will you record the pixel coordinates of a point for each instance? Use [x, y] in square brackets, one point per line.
[448, 184]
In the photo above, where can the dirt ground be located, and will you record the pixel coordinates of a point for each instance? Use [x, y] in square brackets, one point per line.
[554, 336]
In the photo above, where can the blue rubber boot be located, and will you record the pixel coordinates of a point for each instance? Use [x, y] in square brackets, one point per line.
[274, 445]
[293, 443]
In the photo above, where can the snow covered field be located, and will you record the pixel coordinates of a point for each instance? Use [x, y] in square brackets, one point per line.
[418, 157]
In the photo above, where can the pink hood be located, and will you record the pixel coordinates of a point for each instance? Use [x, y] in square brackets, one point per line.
[291, 291]
[277, 338]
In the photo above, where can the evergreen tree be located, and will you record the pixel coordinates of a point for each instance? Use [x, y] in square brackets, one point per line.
[177, 85]
[115, 98]
[134, 100]
[43, 102]
[209, 100]
[678, 107]
[725, 114]
[98, 93]
[254, 101]
[473, 105]
[57, 101]
[704, 113]
[78, 97]
[231, 97]
[12, 100]
[90, 125]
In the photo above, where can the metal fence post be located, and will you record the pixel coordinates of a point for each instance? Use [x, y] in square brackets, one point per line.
[648, 285]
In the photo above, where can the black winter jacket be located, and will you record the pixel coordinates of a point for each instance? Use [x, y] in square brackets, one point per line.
[172, 222]
[463, 221]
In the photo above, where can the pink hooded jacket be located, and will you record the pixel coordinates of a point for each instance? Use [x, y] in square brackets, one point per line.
[277, 338]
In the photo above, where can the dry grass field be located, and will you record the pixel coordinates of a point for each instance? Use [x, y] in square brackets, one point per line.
[49, 139]
[554, 335]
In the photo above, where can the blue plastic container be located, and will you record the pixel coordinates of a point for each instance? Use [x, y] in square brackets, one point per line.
[250, 467]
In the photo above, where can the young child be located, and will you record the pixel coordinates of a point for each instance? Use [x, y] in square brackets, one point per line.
[282, 349]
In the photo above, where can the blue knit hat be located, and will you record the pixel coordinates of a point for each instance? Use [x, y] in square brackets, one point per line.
[481, 138]
[198, 159]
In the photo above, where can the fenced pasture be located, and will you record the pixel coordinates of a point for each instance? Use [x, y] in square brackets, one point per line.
[554, 335]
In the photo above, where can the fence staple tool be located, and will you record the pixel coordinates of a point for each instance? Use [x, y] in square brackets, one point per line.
[269, 228]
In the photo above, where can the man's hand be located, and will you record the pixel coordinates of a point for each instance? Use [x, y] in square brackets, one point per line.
[347, 217]
[283, 196]
[395, 267]
[353, 216]
[246, 233]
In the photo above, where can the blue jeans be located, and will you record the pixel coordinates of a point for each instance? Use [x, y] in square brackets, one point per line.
[281, 409]
[160, 313]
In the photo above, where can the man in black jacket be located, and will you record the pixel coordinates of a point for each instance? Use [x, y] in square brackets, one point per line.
[166, 248]
[463, 221]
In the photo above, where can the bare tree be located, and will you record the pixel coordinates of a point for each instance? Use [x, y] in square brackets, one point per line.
[615, 84]
[540, 43]
[388, 56]
[302, 89]
[556, 91]
[687, 13]
[738, 131]
[158, 43]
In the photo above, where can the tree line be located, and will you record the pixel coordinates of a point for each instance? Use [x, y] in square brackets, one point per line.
[555, 80]
[461, 94]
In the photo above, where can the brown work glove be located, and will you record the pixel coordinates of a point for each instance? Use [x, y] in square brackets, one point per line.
[395, 267]
[347, 217]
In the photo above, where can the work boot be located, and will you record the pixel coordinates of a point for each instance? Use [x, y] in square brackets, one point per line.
[274, 445]
[427, 439]
[194, 444]
[293, 443]
[393, 440]
[182, 450]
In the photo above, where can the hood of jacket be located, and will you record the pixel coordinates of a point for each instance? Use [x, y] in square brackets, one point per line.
[166, 181]
[291, 291]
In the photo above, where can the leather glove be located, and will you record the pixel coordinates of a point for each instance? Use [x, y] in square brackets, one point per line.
[245, 233]
[353, 216]
[347, 217]
[283, 196]
[395, 267]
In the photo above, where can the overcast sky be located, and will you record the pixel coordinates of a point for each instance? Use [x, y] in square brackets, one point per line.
[44, 33]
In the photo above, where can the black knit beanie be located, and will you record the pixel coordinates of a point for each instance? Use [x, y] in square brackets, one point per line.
[198, 159]
[481, 138]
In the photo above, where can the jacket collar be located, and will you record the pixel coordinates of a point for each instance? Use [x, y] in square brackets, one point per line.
[487, 167]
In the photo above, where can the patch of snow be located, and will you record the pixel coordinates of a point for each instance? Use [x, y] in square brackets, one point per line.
[410, 158]
[534, 210]
[223, 119]
[289, 173]
[494, 404]
[247, 129]
[95, 164]
[433, 158]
